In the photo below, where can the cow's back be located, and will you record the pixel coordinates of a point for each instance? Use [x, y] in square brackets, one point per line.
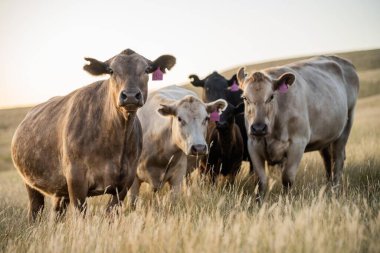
[150, 120]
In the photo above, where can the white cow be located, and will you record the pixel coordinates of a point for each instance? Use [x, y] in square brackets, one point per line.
[174, 123]
[300, 107]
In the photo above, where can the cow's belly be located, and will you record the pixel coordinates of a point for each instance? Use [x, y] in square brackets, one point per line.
[55, 184]
[108, 178]
[326, 131]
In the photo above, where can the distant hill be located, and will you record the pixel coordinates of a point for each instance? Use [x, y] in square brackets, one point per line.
[366, 62]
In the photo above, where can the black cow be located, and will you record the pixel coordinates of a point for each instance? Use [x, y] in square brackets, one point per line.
[226, 145]
[216, 86]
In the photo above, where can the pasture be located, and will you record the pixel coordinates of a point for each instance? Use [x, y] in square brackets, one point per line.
[206, 218]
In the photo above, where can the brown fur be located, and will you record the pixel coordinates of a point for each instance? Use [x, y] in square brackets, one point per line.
[83, 144]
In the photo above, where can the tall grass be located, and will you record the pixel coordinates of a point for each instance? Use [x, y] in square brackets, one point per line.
[222, 218]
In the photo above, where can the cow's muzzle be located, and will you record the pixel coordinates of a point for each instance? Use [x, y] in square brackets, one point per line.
[131, 100]
[259, 129]
[198, 149]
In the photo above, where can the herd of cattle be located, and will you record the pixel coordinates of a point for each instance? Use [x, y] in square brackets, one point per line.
[109, 137]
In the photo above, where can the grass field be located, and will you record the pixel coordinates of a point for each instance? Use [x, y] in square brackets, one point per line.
[312, 218]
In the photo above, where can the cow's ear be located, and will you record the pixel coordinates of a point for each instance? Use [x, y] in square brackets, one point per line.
[217, 105]
[232, 80]
[239, 108]
[163, 62]
[240, 76]
[283, 82]
[96, 67]
[167, 110]
[194, 80]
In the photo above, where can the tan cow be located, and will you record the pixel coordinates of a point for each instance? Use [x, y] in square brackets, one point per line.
[174, 123]
[88, 142]
[301, 107]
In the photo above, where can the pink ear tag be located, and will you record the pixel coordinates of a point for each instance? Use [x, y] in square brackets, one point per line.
[234, 87]
[283, 88]
[214, 116]
[157, 75]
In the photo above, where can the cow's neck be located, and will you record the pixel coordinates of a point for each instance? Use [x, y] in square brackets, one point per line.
[228, 137]
[116, 121]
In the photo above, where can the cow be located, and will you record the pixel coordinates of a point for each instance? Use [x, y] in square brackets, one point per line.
[226, 146]
[215, 86]
[300, 107]
[88, 142]
[174, 124]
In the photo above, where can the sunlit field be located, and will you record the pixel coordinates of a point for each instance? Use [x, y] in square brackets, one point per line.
[222, 218]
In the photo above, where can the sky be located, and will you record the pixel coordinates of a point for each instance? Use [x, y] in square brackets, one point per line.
[43, 42]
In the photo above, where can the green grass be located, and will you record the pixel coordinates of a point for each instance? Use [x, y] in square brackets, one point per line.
[205, 218]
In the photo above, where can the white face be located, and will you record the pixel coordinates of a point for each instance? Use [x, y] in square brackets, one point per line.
[260, 94]
[190, 118]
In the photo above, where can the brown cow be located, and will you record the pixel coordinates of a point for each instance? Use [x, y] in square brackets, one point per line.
[300, 107]
[88, 142]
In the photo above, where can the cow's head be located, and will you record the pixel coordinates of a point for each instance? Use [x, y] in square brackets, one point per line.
[129, 75]
[260, 93]
[214, 86]
[227, 118]
[190, 118]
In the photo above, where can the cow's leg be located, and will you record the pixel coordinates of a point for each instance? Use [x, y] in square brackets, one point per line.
[192, 164]
[213, 175]
[175, 187]
[78, 187]
[339, 152]
[175, 181]
[232, 175]
[36, 203]
[327, 161]
[294, 156]
[134, 192]
[250, 166]
[60, 205]
[116, 200]
[259, 163]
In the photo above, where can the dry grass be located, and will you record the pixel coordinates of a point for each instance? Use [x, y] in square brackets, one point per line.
[205, 218]
[221, 218]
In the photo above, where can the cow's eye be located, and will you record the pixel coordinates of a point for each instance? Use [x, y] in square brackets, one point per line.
[270, 99]
[207, 119]
[180, 120]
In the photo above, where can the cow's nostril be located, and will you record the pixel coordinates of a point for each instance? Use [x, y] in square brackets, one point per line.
[198, 149]
[259, 129]
[138, 95]
[123, 95]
